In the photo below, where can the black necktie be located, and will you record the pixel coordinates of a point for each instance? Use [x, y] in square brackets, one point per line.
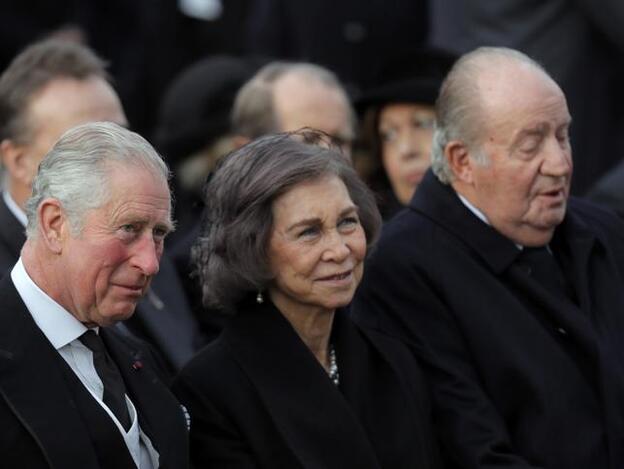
[114, 388]
[544, 268]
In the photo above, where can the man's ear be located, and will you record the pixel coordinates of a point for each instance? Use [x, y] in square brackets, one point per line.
[458, 157]
[15, 160]
[53, 224]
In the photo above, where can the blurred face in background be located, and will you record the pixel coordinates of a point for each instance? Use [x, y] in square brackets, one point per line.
[301, 102]
[405, 131]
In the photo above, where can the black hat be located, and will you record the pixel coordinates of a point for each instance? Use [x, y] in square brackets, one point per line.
[413, 79]
[196, 107]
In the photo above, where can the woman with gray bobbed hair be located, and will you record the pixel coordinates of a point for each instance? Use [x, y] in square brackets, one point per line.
[291, 381]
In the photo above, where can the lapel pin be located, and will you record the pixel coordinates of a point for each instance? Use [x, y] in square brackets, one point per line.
[137, 365]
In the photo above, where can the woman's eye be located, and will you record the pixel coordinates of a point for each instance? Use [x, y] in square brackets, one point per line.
[308, 232]
[349, 221]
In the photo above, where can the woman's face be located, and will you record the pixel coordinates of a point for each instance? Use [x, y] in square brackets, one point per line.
[317, 247]
[405, 131]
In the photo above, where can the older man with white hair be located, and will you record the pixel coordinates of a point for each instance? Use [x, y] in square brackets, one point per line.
[76, 394]
[507, 290]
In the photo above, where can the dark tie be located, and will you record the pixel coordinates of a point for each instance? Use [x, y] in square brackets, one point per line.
[114, 388]
[543, 267]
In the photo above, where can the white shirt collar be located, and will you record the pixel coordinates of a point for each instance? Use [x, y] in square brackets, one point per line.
[14, 208]
[480, 215]
[473, 209]
[56, 323]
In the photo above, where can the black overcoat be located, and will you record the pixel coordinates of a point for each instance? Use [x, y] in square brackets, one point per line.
[520, 378]
[259, 398]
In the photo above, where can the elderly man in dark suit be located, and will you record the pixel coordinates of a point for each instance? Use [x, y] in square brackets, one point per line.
[50, 87]
[75, 393]
[508, 291]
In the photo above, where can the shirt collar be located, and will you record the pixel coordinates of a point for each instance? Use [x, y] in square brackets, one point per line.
[480, 215]
[57, 324]
[14, 208]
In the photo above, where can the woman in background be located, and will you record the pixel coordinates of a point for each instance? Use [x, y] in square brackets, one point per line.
[292, 382]
[399, 116]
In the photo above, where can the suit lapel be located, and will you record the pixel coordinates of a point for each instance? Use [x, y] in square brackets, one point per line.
[160, 416]
[310, 413]
[32, 383]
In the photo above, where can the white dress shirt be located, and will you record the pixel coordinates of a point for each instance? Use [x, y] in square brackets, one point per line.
[62, 329]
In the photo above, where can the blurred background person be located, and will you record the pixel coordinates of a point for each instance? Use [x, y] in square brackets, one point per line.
[398, 116]
[282, 247]
[285, 96]
[50, 87]
[193, 131]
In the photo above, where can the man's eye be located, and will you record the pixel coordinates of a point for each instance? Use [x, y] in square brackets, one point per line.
[160, 233]
[530, 144]
[130, 228]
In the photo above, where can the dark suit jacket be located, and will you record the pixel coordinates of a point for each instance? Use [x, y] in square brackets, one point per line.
[41, 426]
[12, 238]
[163, 318]
[520, 378]
[259, 398]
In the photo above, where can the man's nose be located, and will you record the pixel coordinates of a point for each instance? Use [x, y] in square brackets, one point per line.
[558, 161]
[147, 255]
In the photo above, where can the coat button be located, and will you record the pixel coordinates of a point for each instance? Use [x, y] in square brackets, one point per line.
[562, 331]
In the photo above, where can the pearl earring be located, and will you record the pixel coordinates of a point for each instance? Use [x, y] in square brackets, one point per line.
[259, 298]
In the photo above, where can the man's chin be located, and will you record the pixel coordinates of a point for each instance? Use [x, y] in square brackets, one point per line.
[113, 317]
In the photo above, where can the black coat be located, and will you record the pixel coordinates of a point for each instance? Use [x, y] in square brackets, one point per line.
[41, 426]
[259, 398]
[520, 378]
[12, 238]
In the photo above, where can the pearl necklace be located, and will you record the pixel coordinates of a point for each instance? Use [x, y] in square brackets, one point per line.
[333, 366]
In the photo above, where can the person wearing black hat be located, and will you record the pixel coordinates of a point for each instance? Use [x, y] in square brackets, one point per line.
[193, 132]
[398, 124]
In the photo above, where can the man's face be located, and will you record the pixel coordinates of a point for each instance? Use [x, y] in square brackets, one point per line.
[303, 103]
[107, 268]
[62, 104]
[523, 188]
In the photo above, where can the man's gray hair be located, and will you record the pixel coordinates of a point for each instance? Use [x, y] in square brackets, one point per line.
[231, 253]
[76, 171]
[253, 113]
[459, 114]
